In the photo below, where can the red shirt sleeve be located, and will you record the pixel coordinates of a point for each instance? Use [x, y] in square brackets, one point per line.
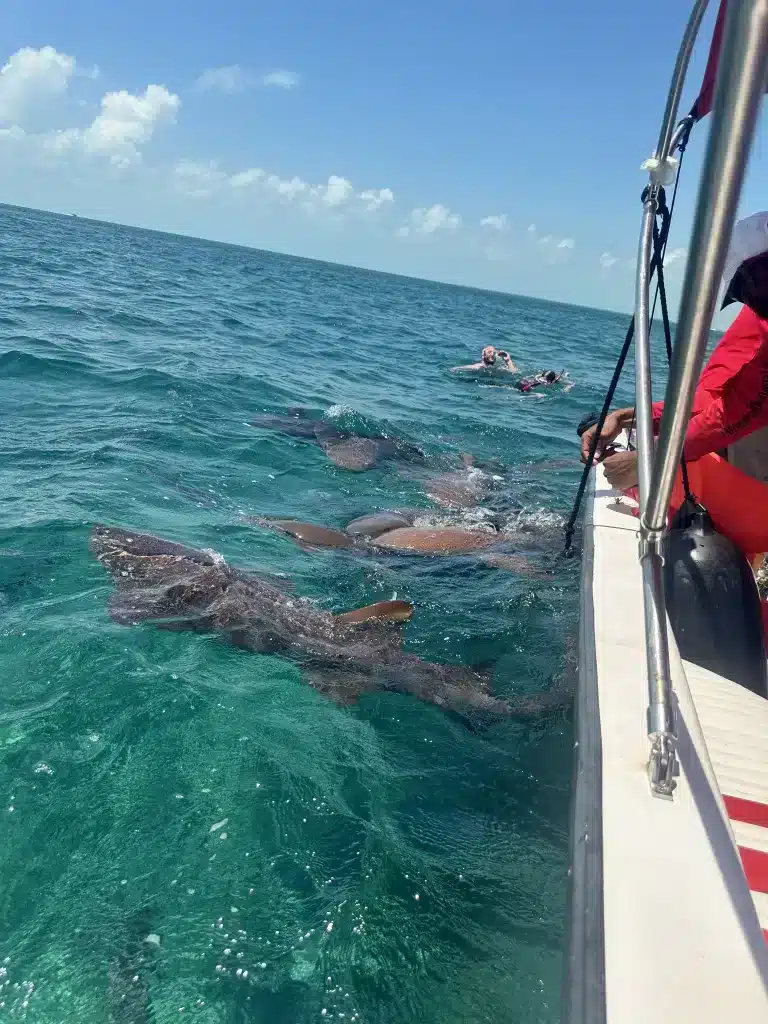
[712, 412]
[656, 410]
[738, 408]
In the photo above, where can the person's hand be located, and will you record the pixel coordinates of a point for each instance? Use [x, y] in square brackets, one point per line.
[611, 429]
[621, 470]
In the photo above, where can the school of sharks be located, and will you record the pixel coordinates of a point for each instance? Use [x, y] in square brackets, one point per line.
[342, 656]
[174, 587]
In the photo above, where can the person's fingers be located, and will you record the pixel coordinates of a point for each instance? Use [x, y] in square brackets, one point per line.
[586, 443]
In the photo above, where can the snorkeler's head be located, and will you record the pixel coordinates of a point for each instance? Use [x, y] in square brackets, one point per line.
[746, 267]
[489, 355]
[550, 376]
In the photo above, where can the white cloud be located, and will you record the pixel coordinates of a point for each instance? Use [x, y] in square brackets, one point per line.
[551, 242]
[30, 76]
[282, 79]
[33, 77]
[12, 134]
[126, 121]
[674, 255]
[233, 78]
[245, 178]
[607, 260]
[227, 79]
[375, 198]
[337, 192]
[198, 179]
[532, 229]
[59, 142]
[286, 188]
[497, 221]
[427, 220]
[195, 178]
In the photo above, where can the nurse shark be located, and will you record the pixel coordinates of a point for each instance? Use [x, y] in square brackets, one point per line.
[345, 448]
[341, 656]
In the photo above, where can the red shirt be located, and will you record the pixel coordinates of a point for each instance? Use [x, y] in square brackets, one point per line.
[731, 398]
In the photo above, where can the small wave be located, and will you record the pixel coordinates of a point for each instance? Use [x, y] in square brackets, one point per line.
[69, 312]
[333, 412]
[16, 363]
[123, 319]
[535, 520]
[479, 520]
[31, 710]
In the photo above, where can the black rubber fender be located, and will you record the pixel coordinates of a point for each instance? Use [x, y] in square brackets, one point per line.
[713, 602]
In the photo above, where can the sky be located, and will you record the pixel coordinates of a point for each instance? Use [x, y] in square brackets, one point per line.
[492, 143]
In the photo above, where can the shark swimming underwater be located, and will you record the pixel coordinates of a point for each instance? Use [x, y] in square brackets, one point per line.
[345, 448]
[341, 656]
[130, 969]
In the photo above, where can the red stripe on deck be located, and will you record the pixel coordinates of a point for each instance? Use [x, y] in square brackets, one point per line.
[748, 811]
[755, 864]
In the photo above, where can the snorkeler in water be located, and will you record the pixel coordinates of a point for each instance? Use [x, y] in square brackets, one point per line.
[543, 379]
[491, 358]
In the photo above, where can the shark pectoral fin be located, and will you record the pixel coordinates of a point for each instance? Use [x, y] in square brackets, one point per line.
[342, 688]
[309, 534]
[394, 611]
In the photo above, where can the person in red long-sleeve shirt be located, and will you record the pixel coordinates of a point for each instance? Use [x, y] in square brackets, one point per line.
[731, 399]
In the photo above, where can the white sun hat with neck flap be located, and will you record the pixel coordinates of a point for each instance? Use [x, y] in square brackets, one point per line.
[749, 239]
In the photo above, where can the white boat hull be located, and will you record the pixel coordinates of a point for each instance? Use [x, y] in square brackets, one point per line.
[664, 927]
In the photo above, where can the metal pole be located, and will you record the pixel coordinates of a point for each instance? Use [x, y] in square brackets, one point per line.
[662, 762]
[663, 148]
[678, 133]
[740, 85]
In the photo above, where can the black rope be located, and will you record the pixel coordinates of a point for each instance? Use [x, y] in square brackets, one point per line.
[571, 525]
[660, 237]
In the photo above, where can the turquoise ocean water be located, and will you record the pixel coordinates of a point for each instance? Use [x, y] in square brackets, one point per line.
[376, 864]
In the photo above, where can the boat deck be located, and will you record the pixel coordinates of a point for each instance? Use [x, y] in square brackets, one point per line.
[735, 726]
[685, 881]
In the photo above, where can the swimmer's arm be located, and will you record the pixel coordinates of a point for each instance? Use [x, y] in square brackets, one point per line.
[508, 362]
[470, 366]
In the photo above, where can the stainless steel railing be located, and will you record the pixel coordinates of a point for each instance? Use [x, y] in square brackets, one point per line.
[741, 80]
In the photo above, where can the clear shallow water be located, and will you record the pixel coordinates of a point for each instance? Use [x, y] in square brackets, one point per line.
[380, 863]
